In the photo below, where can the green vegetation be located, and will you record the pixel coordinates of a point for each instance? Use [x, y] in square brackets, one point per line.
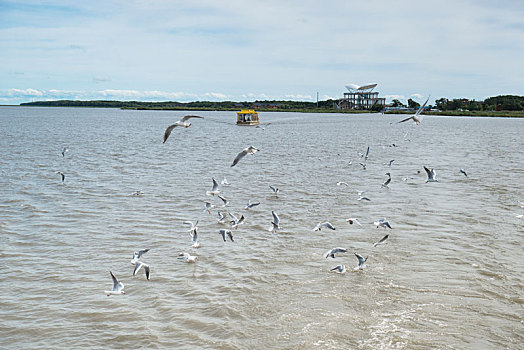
[499, 106]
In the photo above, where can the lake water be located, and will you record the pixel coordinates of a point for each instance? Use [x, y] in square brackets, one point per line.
[450, 276]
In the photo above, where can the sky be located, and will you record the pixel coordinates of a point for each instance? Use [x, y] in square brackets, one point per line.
[160, 50]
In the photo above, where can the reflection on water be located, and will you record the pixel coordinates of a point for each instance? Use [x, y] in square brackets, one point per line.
[449, 276]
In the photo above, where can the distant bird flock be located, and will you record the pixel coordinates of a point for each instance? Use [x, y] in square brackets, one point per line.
[235, 221]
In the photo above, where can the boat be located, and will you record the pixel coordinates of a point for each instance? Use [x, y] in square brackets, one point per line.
[247, 117]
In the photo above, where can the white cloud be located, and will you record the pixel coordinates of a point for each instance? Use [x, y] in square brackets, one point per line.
[298, 97]
[417, 96]
[25, 92]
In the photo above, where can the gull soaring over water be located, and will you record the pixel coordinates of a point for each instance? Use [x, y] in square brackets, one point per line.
[463, 172]
[61, 174]
[138, 265]
[339, 269]
[275, 190]
[361, 262]
[275, 224]
[118, 287]
[221, 218]
[380, 241]
[432, 175]
[323, 224]
[382, 222]
[250, 205]
[182, 122]
[227, 233]
[386, 183]
[138, 255]
[64, 151]
[242, 154]
[417, 118]
[188, 258]
[352, 221]
[332, 252]
[208, 207]
[225, 201]
[235, 222]
[214, 189]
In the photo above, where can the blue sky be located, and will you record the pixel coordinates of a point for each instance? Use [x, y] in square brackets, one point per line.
[245, 50]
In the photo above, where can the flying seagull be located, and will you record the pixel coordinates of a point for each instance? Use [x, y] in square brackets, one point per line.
[221, 218]
[182, 122]
[188, 258]
[332, 252]
[352, 221]
[235, 222]
[208, 207]
[248, 150]
[224, 182]
[431, 175]
[382, 222]
[463, 172]
[275, 190]
[118, 287]
[214, 189]
[61, 174]
[138, 266]
[192, 226]
[381, 240]
[323, 224]
[64, 151]
[415, 117]
[367, 154]
[275, 224]
[361, 262]
[194, 239]
[251, 205]
[390, 162]
[227, 233]
[138, 255]
[386, 183]
[339, 269]
[226, 202]
[340, 183]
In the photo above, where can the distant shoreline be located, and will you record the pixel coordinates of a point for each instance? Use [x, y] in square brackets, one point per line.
[218, 106]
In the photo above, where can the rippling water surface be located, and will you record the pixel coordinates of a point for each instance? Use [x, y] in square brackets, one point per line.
[450, 276]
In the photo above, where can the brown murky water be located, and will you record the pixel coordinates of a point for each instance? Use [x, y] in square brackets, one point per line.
[450, 276]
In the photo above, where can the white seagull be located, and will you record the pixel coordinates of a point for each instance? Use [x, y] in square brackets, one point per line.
[323, 224]
[61, 174]
[235, 222]
[275, 190]
[339, 269]
[340, 183]
[275, 224]
[138, 255]
[188, 258]
[352, 221]
[138, 265]
[182, 122]
[386, 183]
[463, 172]
[251, 205]
[361, 262]
[332, 252]
[192, 226]
[224, 182]
[221, 218]
[381, 240]
[431, 175]
[226, 202]
[214, 189]
[227, 233]
[118, 287]
[64, 151]
[417, 118]
[382, 222]
[390, 162]
[208, 207]
[248, 150]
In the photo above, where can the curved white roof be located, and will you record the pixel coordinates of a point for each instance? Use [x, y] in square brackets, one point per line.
[351, 87]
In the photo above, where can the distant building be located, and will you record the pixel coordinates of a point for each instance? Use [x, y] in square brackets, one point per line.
[361, 98]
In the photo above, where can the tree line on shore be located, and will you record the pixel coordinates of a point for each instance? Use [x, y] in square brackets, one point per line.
[497, 103]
